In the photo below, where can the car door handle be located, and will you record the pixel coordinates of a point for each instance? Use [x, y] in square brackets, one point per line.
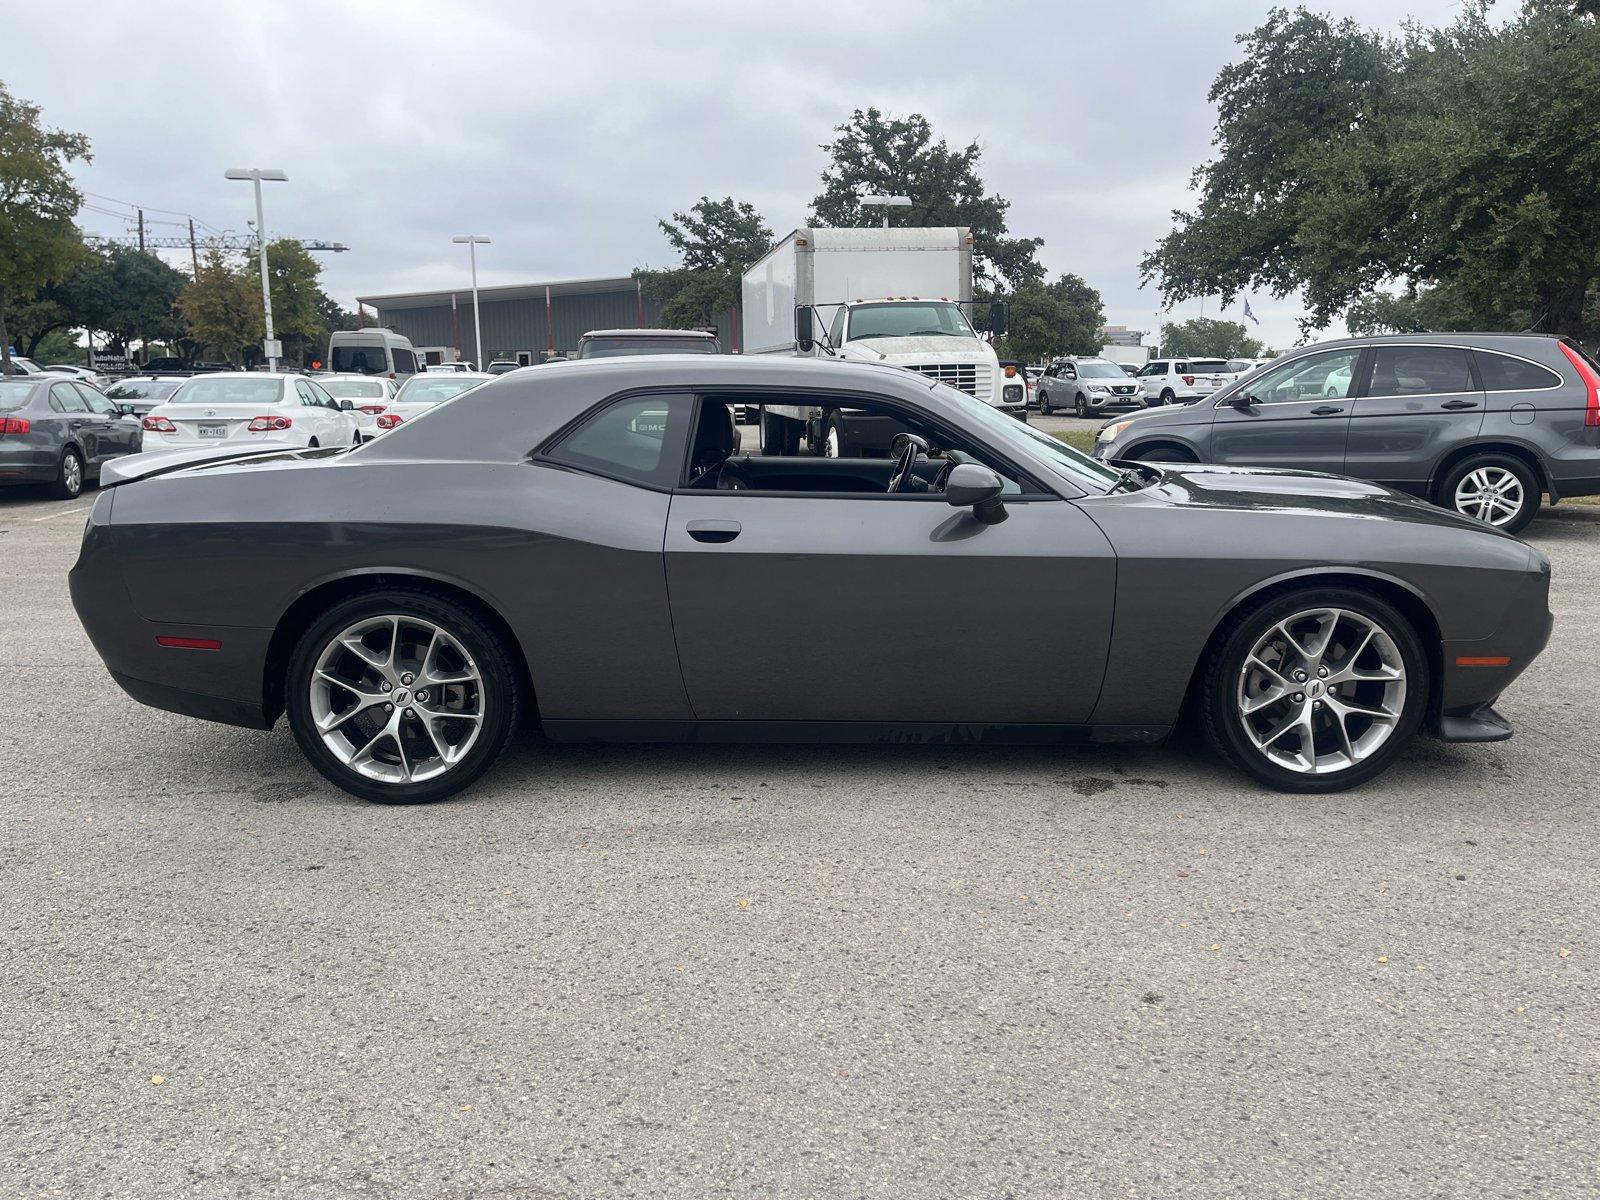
[714, 531]
[1458, 405]
[1326, 410]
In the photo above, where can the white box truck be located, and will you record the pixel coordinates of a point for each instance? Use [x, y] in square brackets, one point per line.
[897, 296]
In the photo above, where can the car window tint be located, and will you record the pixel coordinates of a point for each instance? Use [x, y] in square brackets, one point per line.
[1317, 376]
[64, 398]
[640, 439]
[1419, 371]
[1502, 373]
[96, 402]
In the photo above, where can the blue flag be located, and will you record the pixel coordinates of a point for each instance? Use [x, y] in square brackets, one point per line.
[1247, 311]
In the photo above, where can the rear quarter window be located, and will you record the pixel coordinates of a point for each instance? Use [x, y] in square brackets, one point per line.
[1502, 373]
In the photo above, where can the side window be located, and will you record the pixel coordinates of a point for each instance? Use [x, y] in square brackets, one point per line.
[1155, 368]
[323, 398]
[1182, 368]
[1502, 373]
[64, 398]
[96, 402]
[1316, 377]
[1419, 371]
[307, 397]
[405, 363]
[836, 328]
[638, 440]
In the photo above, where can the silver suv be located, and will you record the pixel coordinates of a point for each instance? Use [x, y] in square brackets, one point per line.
[1088, 386]
[1484, 423]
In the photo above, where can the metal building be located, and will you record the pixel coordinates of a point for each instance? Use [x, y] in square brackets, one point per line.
[527, 322]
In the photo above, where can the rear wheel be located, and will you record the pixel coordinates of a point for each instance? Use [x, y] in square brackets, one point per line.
[68, 483]
[1498, 489]
[1168, 396]
[402, 696]
[1315, 690]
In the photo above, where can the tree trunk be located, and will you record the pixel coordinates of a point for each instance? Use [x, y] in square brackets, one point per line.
[1558, 307]
[5, 338]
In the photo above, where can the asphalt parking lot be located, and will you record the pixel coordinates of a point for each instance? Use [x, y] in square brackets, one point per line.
[738, 972]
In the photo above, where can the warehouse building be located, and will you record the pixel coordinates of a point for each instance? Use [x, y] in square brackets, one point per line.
[526, 322]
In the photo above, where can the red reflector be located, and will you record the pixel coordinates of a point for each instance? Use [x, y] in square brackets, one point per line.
[181, 643]
[1489, 661]
[14, 425]
[1591, 412]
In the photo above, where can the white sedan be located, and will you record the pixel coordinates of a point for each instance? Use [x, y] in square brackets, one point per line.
[422, 392]
[241, 407]
[370, 395]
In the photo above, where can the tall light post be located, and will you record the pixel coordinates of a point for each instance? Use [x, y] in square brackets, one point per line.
[256, 175]
[887, 202]
[472, 242]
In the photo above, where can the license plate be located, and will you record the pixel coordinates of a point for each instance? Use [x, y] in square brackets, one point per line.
[213, 429]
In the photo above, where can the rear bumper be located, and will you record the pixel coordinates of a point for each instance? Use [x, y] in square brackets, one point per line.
[1477, 672]
[26, 465]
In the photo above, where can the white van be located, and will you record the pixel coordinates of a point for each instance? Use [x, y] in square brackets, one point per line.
[372, 352]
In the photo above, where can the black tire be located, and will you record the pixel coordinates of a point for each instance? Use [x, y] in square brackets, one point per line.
[1082, 408]
[68, 483]
[1044, 404]
[1224, 727]
[1527, 480]
[1160, 453]
[501, 683]
[1168, 396]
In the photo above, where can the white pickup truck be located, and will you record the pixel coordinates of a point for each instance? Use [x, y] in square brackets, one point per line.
[894, 296]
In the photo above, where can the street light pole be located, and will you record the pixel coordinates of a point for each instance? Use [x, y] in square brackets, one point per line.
[256, 175]
[887, 202]
[473, 241]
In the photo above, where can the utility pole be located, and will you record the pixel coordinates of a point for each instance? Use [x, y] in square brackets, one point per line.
[194, 252]
[141, 231]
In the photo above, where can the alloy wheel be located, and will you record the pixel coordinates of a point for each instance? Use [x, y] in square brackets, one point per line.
[1491, 494]
[1321, 691]
[397, 698]
[71, 474]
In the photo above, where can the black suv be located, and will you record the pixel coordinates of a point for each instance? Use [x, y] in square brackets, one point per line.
[1484, 423]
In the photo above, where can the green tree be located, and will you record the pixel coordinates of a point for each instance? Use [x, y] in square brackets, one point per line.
[715, 240]
[38, 241]
[1450, 157]
[125, 293]
[292, 274]
[1206, 337]
[1046, 320]
[222, 307]
[873, 154]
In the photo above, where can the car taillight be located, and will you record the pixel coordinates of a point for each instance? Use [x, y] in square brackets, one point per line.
[14, 425]
[372, 410]
[269, 424]
[389, 420]
[157, 425]
[1188, 380]
[1591, 412]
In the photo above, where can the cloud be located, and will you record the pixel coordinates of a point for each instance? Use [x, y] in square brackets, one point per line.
[565, 132]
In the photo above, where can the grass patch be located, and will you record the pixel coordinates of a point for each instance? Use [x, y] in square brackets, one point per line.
[1078, 439]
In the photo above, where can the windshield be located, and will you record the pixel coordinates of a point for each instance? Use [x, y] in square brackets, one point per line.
[360, 360]
[141, 390]
[618, 347]
[352, 389]
[14, 392]
[433, 389]
[1009, 432]
[229, 389]
[907, 320]
[1100, 370]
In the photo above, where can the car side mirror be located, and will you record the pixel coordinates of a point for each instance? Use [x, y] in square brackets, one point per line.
[975, 486]
[804, 338]
[1243, 401]
[997, 318]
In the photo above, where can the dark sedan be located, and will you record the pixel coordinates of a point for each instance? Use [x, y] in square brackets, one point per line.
[59, 432]
[573, 545]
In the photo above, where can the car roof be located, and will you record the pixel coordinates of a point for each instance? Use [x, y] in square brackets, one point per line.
[651, 333]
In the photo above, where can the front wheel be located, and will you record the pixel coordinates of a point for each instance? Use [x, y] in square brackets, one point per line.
[1317, 690]
[1044, 405]
[1498, 489]
[1083, 408]
[402, 696]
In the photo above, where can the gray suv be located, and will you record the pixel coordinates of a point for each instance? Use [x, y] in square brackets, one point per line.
[1088, 386]
[1483, 423]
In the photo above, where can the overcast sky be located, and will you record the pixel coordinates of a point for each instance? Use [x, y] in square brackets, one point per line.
[564, 131]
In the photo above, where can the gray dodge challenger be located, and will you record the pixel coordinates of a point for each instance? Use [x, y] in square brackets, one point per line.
[589, 547]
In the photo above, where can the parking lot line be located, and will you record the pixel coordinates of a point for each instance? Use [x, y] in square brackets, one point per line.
[62, 512]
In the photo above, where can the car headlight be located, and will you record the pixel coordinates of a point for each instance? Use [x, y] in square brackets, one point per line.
[1098, 387]
[1112, 430]
[1012, 393]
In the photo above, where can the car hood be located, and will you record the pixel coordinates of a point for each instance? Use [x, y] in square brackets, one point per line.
[873, 349]
[1264, 489]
